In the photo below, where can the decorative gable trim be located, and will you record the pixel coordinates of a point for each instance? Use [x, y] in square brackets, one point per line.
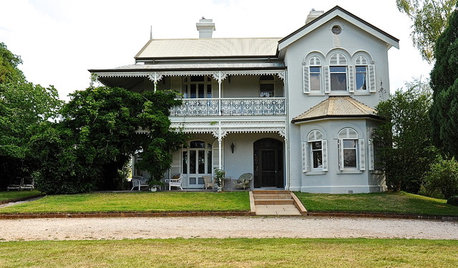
[337, 11]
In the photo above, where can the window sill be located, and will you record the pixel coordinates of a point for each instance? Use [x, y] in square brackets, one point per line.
[350, 171]
[362, 93]
[316, 93]
[339, 93]
[315, 173]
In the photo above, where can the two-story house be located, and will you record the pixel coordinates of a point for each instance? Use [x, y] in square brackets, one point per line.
[297, 111]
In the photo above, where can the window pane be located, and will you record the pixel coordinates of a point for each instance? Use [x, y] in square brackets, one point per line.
[338, 81]
[315, 69]
[349, 158]
[317, 159]
[209, 162]
[349, 144]
[209, 91]
[185, 162]
[197, 144]
[193, 92]
[338, 69]
[315, 81]
[201, 180]
[201, 161]
[201, 88]
[192, 180]
[316, 145]
[192, 162]
[361, 77]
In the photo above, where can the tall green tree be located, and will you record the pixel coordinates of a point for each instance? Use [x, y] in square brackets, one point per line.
[444, 82]
[429, 19]
[101, 128]
[9, 62]
[24, 107]
[403, 140]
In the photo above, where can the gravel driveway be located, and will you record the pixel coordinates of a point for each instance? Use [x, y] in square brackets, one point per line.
[223, 227]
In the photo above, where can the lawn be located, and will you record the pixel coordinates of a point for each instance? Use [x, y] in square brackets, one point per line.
[399, 203]
[231, 253]
[12, 195]
[112, 202]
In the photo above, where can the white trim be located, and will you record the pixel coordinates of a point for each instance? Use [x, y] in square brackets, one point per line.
[336, 13]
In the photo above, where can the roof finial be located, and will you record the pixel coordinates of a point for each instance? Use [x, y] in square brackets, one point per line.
[151, 32]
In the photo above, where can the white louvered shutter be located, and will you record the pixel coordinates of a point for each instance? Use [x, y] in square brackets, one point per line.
[362, 155]
[370, 145]
[324, 147]
[372, 78]
[327, 79]
[340, 154]
[306, 79]
[304, 157]
[351, 78]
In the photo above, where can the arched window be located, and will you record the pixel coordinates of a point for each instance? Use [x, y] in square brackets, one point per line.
[315, 152]
[197, 162]
[338, 72]
[363, 72]
[351, 150]
[312, 74]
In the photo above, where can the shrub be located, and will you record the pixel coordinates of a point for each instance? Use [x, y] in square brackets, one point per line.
[443, 176]
[453, 200]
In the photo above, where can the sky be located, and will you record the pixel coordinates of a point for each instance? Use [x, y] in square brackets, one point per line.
[59, 40]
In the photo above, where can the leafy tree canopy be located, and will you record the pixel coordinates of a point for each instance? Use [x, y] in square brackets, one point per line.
[429, 18]
[444, 82]
[404, 139]
[9, 71]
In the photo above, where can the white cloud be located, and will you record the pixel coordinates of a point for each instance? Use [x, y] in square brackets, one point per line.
[59, 40]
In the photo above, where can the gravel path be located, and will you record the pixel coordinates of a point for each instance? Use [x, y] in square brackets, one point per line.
[223, 227]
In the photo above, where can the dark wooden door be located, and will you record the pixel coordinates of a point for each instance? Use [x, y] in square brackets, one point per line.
[268, 163]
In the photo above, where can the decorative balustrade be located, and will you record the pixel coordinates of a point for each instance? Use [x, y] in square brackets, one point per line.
[230, 106]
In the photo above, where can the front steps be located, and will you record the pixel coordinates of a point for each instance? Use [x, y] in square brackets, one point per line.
[276, 203]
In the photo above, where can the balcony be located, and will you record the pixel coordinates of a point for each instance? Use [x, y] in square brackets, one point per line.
[230, 107]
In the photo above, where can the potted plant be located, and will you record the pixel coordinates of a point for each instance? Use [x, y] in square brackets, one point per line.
[219, 179]
[155, 185]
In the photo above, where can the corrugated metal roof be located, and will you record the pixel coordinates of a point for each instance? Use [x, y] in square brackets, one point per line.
[209, 47]
[336, 106]
[198, 66]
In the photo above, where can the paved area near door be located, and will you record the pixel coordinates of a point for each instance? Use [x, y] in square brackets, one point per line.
[223, 227]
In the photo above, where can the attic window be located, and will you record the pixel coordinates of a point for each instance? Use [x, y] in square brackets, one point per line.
[336, 29]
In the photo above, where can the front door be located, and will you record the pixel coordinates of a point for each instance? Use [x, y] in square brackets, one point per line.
[268, 163]
[197, 162]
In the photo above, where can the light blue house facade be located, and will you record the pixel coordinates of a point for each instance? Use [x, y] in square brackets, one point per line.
[297, 111]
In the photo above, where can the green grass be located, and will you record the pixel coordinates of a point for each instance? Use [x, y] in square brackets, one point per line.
[400, 203]
[11, 195]
[110, 202]
[231, 253]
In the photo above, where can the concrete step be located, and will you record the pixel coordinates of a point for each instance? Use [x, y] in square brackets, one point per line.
[273, 201]
[272, 196]
[271, 192]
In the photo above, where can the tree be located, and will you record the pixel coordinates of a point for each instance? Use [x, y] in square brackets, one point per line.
[9, 71]
[429, 18]
[99, 133]
[444, 82]
[403, 140]
[23, 108]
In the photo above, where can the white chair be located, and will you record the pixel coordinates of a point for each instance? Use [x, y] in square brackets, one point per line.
[139, 182]
[208, 182]
[175, 181]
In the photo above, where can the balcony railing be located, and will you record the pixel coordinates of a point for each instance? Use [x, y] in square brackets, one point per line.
[230, 106]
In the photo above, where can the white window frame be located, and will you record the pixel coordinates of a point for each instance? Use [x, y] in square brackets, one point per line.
[187, 87]
[315, 136]
[208, 163]
[366, 78]
[360, 153]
